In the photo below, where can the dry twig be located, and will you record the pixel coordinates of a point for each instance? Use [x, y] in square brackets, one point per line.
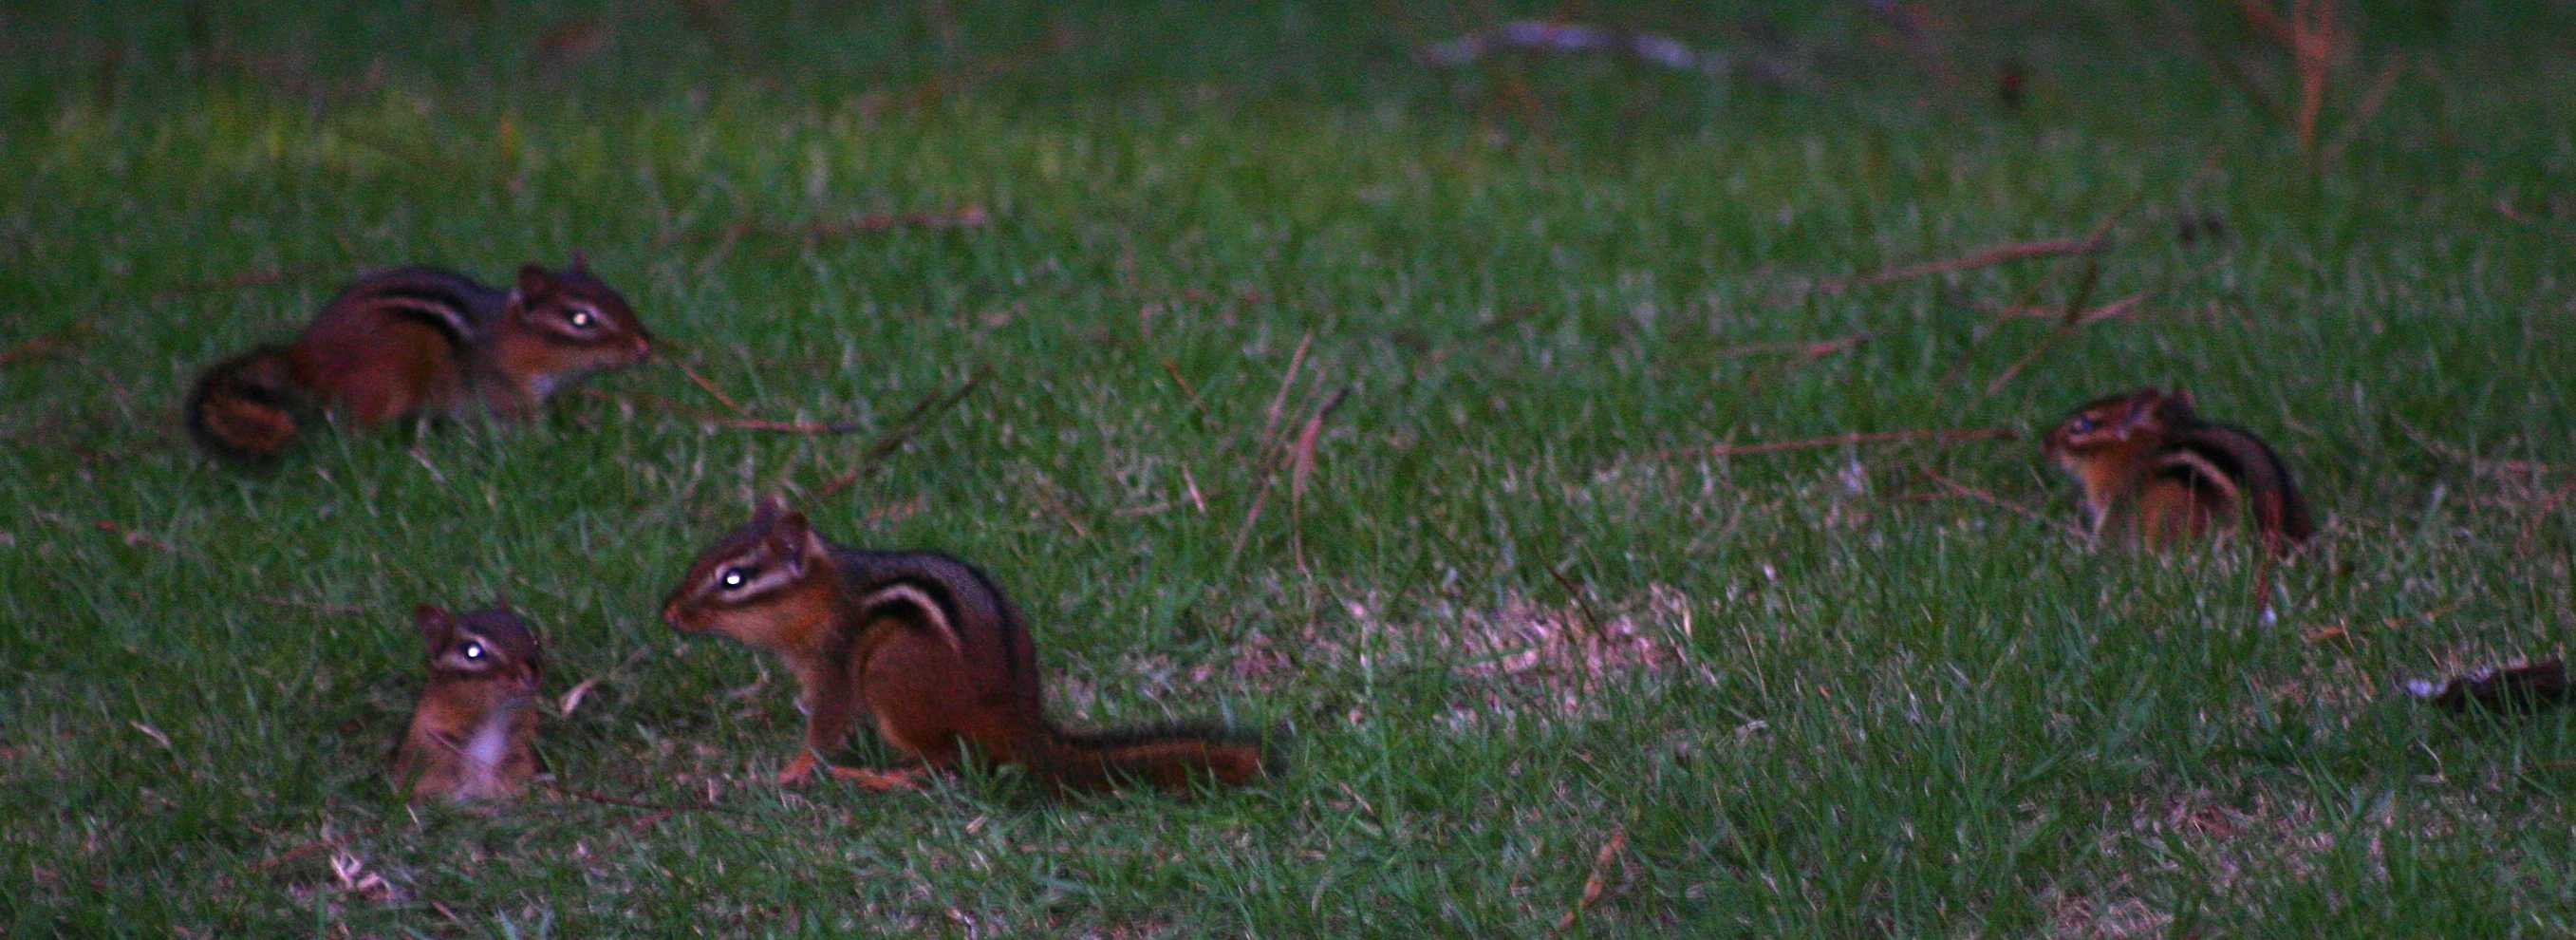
[1942, 435]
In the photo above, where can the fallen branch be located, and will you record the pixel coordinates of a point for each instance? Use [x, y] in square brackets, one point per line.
[1942, 435]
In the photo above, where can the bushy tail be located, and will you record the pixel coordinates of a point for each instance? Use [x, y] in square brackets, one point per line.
[248, 408]
[1167, 756]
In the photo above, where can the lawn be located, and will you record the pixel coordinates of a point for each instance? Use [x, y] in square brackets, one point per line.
[1405, 409]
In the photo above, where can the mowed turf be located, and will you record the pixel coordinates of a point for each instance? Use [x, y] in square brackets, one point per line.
[1538, 656]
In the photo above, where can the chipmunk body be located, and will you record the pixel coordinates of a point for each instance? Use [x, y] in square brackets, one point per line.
[2154, 471]
[472, 734]
[418, 341]
[930, 649]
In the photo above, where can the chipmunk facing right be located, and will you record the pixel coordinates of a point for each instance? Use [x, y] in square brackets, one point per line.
[2153, 471]
[928, 646]
[418, 341]
[473, 733]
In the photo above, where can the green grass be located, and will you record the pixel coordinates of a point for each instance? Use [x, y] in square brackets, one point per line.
[1835, 700]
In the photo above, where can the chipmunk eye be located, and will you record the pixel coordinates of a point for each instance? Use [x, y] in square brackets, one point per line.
[737, 576]
[2082, 424]
[582, 318]
[472, 651]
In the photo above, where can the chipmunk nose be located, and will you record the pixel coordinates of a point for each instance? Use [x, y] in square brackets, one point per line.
[643, 346]
[671, 615]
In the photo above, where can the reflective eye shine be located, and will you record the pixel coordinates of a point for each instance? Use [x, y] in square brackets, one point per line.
[473, 650]
[735, 576]
[582, 319]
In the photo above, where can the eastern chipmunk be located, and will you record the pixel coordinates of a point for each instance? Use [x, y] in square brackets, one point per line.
[927, 645]
[473, 733]
[2152, 470]
[418, 341]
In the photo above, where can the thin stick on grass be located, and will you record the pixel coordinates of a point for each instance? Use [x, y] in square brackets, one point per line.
[1301, 467]
[904, 430]
[1582, 604]
[2371, 101]
[2531, 527]
[1941, 435]
[1806, 349]
[1986, 257]
[1268, 469]
[2179, 24]
[607, 800]
[1999, 502]
[970, 215]
[40, 344]
[1287, 379]
[710, 387]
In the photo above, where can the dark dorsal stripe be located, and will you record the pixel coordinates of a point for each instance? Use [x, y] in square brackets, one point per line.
[452, 303]
[942, 577]
[2190, 464]
[912, 592]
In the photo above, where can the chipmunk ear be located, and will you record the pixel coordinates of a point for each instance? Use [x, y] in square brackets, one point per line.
[791, 541]
[766, 512]
[2182, 397]
[534, 280]
[435, 623]
[580, 264]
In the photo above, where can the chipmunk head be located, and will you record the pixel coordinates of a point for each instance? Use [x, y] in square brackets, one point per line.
[2118, 423]
[768, 583]
[490, 645]
[584, 324]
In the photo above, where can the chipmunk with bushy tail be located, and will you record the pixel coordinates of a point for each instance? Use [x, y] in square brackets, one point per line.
[473, 732]
[418, 341]
[2154, 472]
[930, 649]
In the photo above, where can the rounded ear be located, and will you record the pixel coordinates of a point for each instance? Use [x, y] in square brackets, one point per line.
[580, 265]
[2142, 404]
[2182, 396]
[790, 539]
[767, 511]
[434, 622]
[534, 280]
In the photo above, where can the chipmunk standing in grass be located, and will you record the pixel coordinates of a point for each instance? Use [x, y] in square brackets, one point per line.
[473, 733]
[2153, 471]
[418, 341]
[930, 647]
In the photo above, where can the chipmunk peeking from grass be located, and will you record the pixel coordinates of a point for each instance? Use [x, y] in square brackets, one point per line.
[473, 733]
[2155, 474]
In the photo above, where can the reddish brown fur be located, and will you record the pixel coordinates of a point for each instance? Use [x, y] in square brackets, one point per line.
[472, 733]
[416, 341]
[2153, 472]
[937, 680]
